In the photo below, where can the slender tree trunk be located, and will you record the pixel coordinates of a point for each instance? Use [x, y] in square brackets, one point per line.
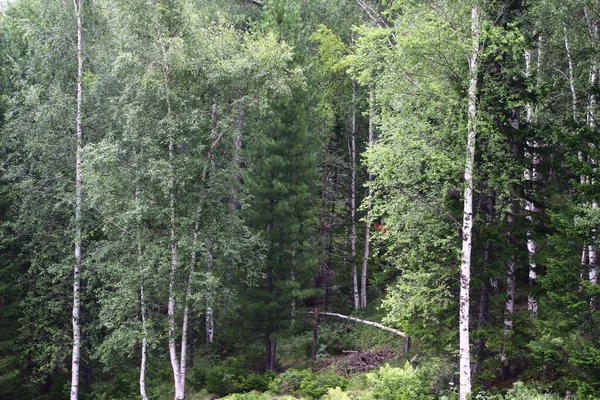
[593, 29]
[210, 319]
[467, 228]
[509, 305]
[571, 76]
[177, 377]
[144, 359]
[143, 362]
[532, 175]
[78, 203]
[363, 283]
[353, 201]
[315, 344]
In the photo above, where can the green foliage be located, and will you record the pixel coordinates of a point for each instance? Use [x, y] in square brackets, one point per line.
[307, 383]
[399, 383]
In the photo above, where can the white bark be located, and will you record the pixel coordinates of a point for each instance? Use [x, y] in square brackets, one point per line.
[365, 263]
[143, 362]
[75, 361]
[532, 175]
[571, 76]
[593, 29]
[353, 200]
[177, 377]
[210, 319]
[363, 321]
[467, 227]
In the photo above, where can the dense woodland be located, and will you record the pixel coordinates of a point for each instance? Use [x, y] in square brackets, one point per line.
[338, 199]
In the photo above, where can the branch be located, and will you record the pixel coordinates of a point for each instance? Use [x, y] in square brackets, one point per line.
[256, 3]
[362, 321]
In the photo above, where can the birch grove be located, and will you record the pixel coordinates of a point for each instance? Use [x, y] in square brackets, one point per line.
[266, 188]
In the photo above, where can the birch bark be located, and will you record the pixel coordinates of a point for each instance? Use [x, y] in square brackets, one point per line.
[467, 227]
[365, 263]
[78, 203]
[353, 200]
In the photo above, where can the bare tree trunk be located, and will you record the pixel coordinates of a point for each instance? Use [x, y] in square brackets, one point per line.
[571, 76]
[532, 175]
[144, 359]
[593, 29]
[467, 228]
[210, 319]
[144, 346]
[364, 321]
[353, 201]
[78, 203]
[177, 377]
[509, 305]
[363, 283]
[315, 344]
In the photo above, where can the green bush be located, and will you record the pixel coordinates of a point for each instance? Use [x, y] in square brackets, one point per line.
[316, 385]
[289, 381]
[405, 383]
[304, 382]
[336, 394]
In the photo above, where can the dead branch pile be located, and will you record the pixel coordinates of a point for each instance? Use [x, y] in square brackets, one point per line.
[361, 361]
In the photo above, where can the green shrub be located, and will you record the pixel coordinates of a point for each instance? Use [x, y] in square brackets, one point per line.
[289, 381]
[316, 385]
[251, 382]
[336, 394]
[307, 383]
[405, 383]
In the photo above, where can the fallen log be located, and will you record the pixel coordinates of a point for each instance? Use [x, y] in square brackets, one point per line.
[363, 321]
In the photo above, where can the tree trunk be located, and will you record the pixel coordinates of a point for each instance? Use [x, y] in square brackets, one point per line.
[363, 283]
[509, 305]
[210, 319]
[593, 28]
[177, 377]
[353, 201]
[315, 343]
[364, 321]
[571, 76]
[467, 228]
[144, 346]
[78, 203]
[532, 175]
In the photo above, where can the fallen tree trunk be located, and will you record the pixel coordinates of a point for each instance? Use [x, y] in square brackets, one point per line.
[362, 321]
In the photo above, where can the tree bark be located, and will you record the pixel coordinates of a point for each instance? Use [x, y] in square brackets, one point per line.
[571, 76]
[315, 343]
[593, 29]
[467, 228]
[365, 264]
[364, 321]
[143, 362]
[177, 377]
[353, 201]
[78, 204]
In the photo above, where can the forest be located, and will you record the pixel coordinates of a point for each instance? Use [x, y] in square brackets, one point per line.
[299, 199]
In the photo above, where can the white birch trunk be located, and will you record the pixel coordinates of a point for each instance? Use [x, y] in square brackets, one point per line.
[363, 321]
[509, 304]
[365, 263]
[571, 76]
[467, 228]
[75, 361]
[210, 319]
[353, 201]
[143, 362]
[179, 393]
[593, 28]
[532, 175]
[144, 359]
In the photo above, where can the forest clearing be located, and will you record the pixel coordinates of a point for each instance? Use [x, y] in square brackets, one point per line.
[308, 199]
